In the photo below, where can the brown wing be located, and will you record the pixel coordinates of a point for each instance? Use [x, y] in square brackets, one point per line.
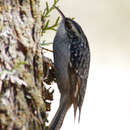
[79, 67]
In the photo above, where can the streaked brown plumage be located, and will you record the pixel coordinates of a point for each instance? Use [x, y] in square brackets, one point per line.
[71, 60]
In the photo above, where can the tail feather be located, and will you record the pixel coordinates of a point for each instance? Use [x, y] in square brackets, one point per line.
[58, 119]
[81, 96]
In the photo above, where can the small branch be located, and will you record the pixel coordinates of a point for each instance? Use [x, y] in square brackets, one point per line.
[47, 49]
[46, 14]
[48, 10]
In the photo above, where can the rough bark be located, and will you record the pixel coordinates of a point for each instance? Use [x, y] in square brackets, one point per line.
[23, 96]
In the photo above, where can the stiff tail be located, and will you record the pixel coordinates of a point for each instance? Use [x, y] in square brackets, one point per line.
[58, 119]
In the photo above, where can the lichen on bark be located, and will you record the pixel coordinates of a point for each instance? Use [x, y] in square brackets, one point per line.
[22, 66]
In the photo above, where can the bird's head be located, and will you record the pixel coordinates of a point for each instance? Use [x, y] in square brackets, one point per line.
[70, 26]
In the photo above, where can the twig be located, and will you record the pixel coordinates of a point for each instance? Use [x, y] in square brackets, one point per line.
[47, 49]
[46, 14]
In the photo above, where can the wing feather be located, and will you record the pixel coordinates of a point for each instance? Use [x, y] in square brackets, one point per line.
[79, 68]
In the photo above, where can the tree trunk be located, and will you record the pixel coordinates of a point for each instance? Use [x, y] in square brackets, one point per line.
[22, 92]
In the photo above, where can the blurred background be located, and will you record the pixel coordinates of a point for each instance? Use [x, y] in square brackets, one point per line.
[106, 24]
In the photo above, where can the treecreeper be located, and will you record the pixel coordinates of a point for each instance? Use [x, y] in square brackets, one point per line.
[71, 61]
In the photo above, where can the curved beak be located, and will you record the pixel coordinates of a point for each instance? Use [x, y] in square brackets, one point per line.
[63, 16]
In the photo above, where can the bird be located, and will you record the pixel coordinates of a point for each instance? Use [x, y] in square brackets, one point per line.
[72, 62]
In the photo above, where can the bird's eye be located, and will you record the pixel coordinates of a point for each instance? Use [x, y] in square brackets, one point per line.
[68, 25]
